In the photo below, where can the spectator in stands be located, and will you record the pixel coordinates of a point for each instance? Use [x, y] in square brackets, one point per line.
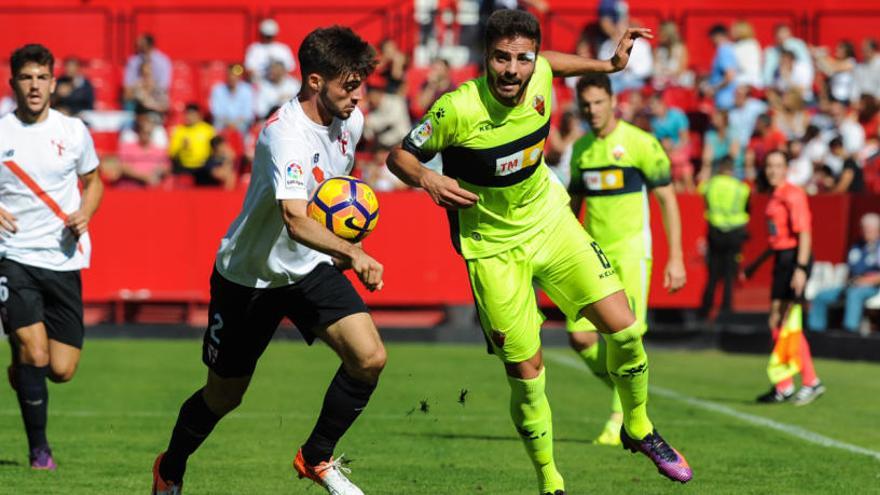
[773, 55]
[869, 114]
[219, 169]
[671, 58]
[232, 101]
[190, 144]
[840, 70]
[143, 162]
[147, 53]
[846, 125]
[260, 54]
[276, 90]
[640, 66]
[439, 81]
[823, 180]
[723, 76]
[375, 172]
[560, 145]
[145, 92]
[767, 138]
[158, 138]
[744, 114]
[792, 73]
[392, 66]
[670, 126]
[863, 262]
[583, 48]
[848, 174]
[748, 54]
[790, 114]
[867, 75]
[718, 143]
[800, 169]
[73, 91]
[387, 119]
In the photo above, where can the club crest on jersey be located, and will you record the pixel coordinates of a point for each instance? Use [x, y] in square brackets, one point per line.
[294, 175]
[344, 139]
[538, 104]
[618, 152]
[421, 134]
[59, 145]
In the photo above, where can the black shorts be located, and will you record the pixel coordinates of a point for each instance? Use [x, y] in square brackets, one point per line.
[243, 319]
[784, 264]
[29, 295]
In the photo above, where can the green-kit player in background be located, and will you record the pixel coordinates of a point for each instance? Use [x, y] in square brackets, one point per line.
[613, 167]
[512, 224]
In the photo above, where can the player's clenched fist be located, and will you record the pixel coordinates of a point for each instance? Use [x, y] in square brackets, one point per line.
[368, 270]
[78, 222]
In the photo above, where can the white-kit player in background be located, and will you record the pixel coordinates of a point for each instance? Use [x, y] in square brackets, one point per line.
[275, 261]
[44, 242]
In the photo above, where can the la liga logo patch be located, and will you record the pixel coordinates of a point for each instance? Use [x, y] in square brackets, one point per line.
[294, 175]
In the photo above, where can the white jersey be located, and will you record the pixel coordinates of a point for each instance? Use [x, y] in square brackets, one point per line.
[294, 154]
[40, 165]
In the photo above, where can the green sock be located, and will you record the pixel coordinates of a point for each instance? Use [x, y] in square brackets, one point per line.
[531, 417]
[595, 357]
[628, 366]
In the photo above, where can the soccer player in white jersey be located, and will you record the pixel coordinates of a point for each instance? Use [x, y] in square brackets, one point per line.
[44, 240]
[275, 261]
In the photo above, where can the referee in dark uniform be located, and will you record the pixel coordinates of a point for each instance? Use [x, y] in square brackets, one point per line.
[727, 205]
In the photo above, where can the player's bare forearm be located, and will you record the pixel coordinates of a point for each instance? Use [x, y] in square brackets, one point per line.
[406, 167]
[306, 231]
[92, 192]
[805, 246]
[671, 219]
[566, 64]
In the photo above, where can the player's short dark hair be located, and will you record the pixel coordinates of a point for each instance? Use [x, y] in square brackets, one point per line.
[717, 29]
[33, 52]
[336, 51]
[781, 153]
[506, 23]
[724, 164]
[594, 80]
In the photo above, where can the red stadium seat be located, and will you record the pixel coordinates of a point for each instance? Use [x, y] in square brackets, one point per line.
[106, 143]
[208, 75]
[107, 80]
[183, 88]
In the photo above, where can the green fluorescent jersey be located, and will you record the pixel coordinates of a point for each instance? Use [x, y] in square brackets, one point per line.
[614, 174]
[496, 152]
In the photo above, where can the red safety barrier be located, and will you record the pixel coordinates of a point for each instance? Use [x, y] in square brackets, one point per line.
[160, 245]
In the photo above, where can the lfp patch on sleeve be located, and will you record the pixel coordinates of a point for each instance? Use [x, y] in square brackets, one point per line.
[294, 175]
[422, 133]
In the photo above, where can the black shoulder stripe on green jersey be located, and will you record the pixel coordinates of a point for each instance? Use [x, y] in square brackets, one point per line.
[477, 166]
[422, 155]
[633, 180]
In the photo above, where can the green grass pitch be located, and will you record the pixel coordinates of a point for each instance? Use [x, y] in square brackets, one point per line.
[107, 425]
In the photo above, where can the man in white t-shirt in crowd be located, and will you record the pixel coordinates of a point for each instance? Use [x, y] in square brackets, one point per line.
[44, 240]
[260, 54]
[275, 261]
[276, 90]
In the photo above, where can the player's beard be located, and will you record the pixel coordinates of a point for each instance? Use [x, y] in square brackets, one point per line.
[331, 107]
[495, 79]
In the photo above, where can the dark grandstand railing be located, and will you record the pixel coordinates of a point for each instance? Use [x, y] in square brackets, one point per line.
[127, 39]
[29, 9]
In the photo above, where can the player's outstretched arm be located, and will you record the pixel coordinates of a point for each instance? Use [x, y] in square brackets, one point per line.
[445, 191]
[567, 64]
[674, 275]
[92, 192]
[304, 230]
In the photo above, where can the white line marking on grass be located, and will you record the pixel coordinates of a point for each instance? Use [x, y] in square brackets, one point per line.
[788, 429]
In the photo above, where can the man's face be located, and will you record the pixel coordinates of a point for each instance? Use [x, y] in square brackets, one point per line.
[510, 63]
[71, 68]
[870, 231]
[597, 106]
[33, 86]
[233, 76]
[192, 117]
[340, 96]
[782, 34]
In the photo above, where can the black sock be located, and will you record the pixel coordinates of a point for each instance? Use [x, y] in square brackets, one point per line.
[33, 399]
[345, 399]
[194, 424]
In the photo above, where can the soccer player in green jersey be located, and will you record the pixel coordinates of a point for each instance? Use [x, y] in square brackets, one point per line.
[613, 167]
[512, 224]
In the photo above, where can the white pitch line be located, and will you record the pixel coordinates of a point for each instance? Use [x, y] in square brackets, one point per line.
[788, 429]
